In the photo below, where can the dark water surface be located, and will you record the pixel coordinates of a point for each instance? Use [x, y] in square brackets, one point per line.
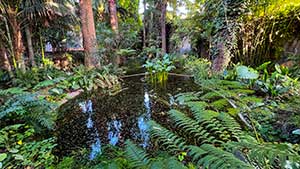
[102, 119]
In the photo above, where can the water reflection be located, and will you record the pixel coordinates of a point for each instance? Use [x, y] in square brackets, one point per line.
[87, 108]
[142, 122]
[114, 131]
[105, 119]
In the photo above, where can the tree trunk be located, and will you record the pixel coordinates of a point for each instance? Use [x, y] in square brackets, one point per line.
[17, 39]
[144, 25]
[114, 25]
[88, 34]
[163, 26]
[222, 59]
[5, 64]
[29, 46]
[113, 16]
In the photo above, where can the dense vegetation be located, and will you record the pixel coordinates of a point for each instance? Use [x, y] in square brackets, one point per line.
[243, 56]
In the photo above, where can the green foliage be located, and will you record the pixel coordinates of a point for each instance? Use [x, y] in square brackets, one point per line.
[278, 82]
[122, 45]
[158, 69]
[30, 108]
[93, 79]
[209, 156]
[244, 72]
[213, 138]
[130, 157]
[137, 157]
[268, 154]
[22, 151]
[37, 77]
[199, 68]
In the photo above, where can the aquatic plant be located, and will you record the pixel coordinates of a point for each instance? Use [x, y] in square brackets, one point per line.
[158, 69]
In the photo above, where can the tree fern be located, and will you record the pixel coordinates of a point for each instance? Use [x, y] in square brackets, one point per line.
[211, 157]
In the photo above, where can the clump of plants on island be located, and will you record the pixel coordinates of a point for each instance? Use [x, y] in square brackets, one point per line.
[158, 69]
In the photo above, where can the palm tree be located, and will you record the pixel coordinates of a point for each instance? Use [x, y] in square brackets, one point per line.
[88, 33]
[10, 10]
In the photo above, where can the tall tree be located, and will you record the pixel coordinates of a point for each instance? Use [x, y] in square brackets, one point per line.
[29, 45]
[15, 26]
[163, 26]
[5, 64]
[88, 33]
[113, 16]
[19, 14]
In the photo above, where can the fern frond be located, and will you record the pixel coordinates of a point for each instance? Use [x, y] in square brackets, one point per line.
[168, 139]
[136, 155]
[191, 128]
[267, 154]
[29, 106]
[231, 125]
[211, 157]
[244, 91]
[196, 105]
[168, 163]
[220, 104]
[12, 91]
[182, 98]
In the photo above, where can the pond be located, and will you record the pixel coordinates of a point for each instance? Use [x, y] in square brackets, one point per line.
[91, 122]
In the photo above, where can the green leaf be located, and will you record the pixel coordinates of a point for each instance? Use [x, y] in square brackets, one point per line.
[296, 132]
[243, 72]
[18, 157]
[278, 69]
[3, 156]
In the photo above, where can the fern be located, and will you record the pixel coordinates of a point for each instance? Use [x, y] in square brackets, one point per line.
[136, 155]
[196, 105]
[231, 125]
[11, 91]
[138, 158]
[220, 104]
[267, 154]
[48, 83]
[38, 112]
[191, 128]
[168, 139]
[211, 157]
[168, 163]
[186, 97]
